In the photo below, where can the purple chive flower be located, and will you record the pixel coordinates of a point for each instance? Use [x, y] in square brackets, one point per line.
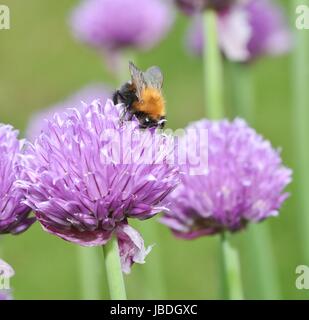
[246, 31]
[87, 94]
[234, 34]
[118, 24]
[194, 6]
[89, 171]
[270, 31]
[244, 183]
[14, 216]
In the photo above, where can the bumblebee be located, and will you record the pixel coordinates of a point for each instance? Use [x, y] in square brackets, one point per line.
[142, 97]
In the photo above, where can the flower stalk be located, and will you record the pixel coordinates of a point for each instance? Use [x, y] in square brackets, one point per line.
[301, 129]
[89, 273]
[113, 270]
[214, 91]
[231, 270]
[213, 71]
[241, 90]
[262, 262]
[154, 270]
[257, 239]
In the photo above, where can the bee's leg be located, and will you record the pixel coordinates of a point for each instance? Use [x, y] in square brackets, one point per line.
[116, 95]
[161, 123]
[123, 114]
[142, 118]
[132, 114]
[126, 114]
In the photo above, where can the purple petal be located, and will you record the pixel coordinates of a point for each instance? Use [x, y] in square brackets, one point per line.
[131, 247]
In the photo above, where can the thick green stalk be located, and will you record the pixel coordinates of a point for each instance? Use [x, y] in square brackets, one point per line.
[231, 271]
[89, 273]
[262, 263]
[153, 269]
[241, 91]
[214, 97]
[301, 129]
[122, 72]
[114, 274]
[213, 71]
[258, 244]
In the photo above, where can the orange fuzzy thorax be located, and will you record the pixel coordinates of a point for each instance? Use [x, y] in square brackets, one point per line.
[152, 103]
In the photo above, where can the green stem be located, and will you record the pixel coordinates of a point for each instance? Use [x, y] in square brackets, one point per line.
[122, 73]
[258, 244]
[89, 273]
[214, 97]
[241, 91]
[113, 270]
[213, 71]
[231, 270]
[262, 263]
[153, 269]
[301, 129]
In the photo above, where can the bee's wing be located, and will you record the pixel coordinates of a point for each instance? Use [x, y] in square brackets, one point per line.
[154, 78]
[138, 79]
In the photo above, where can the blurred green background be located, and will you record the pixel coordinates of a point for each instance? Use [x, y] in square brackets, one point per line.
[41, 64]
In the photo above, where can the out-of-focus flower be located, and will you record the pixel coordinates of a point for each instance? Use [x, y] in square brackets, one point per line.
[247, 31]
[87, 94]
[118, 24]
[234, 34]
[270, 31]
[14, 216]
[194, 6]
[244, 183]
[90, 171]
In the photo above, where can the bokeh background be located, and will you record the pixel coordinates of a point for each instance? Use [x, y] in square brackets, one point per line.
[41, 64]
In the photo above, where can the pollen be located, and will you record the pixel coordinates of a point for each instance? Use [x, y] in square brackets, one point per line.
[152, 102]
